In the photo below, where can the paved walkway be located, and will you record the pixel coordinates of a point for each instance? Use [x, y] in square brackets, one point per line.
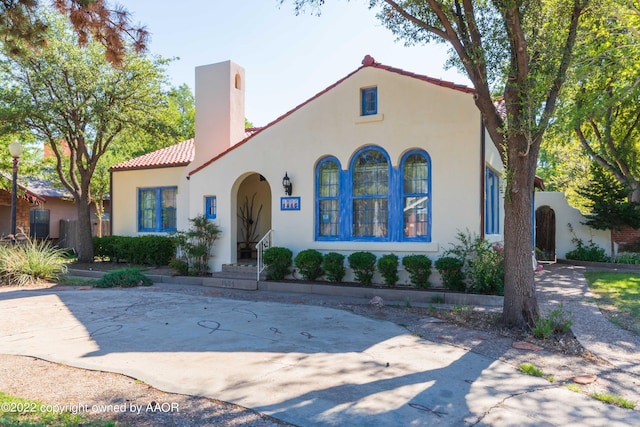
[308, 365]
[561, 283]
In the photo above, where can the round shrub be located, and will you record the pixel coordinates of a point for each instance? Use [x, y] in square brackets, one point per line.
[278, 262]
[450, 269]
[124, 278]
[388, 268]
[309, 262]
[333, 266]
[419, 269]
[363, 265]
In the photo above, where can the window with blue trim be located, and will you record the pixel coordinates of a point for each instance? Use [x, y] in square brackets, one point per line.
[370, 194]
[369, 101]
[328, 187]
[157, 209]
[210, 207]
[373, 201]
[492, 202]
[415, 169]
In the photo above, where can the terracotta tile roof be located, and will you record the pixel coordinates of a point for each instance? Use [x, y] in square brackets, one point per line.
[180, 154]
[368, 61]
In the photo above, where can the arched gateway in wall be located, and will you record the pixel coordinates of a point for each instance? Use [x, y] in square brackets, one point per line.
[545, 234]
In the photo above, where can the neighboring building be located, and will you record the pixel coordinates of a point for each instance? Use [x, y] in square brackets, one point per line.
[26, 199]
[383, 160]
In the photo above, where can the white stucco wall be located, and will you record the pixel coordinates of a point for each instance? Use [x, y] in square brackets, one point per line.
[565, 215]
[411, 114]
[125, 185]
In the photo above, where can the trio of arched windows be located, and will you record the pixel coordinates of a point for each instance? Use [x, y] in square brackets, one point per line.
[372, 200]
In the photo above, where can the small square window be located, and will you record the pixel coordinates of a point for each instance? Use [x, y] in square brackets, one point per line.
[210, 207]
[369, 101]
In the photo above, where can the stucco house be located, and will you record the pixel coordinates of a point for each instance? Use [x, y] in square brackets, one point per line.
[383, 160]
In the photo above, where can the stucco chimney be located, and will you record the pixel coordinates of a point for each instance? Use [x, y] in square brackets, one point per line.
[220, 114]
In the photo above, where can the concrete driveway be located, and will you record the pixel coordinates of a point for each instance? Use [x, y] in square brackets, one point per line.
[308, 365]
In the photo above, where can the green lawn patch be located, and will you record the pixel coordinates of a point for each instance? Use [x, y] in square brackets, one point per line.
[15, 411]
[618, 296]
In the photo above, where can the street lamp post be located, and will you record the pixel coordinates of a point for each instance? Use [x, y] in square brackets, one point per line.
[15, 149]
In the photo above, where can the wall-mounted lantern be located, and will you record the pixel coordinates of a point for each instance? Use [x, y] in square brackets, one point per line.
[286, 183]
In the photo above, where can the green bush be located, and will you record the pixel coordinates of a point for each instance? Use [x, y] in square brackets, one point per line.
[627, 258]
[450, 269]
[482, 263]
[149, 249]
[278, 262]
[309, 262]
[419, 269]
[388, 268]
[125, 278]
[363, 265]
[195, 245]
[180, 266]
[587, 252]
[30, 262]
[333, 266]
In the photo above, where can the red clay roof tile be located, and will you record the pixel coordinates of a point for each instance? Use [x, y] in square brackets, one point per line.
[180, 154]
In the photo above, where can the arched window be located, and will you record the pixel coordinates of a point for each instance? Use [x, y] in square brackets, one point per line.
[416, 195]
[328, 192]
[370, 194]
[238, 82]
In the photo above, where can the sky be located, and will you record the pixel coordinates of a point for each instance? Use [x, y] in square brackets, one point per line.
[287, 58]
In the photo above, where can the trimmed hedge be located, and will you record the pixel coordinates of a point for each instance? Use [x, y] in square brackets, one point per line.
[148, 250]
[333, 266]
[278, 262]
[419, 269]
[309, 262]
[363, 265]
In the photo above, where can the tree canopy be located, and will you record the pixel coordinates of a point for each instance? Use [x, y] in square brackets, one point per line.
[599, 108]
[74, 100]
[22, 29]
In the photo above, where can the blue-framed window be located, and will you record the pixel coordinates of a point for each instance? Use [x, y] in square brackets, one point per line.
[211, 207]
[370, 194]
[327, 196]
[416, 187]
[492, 202]
[373, 201]
[369, 100]
[157, 209]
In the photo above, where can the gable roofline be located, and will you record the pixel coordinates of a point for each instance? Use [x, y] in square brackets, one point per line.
[368, 61]
[29, 193]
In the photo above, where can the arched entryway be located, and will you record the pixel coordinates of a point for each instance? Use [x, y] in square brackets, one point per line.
[253, 214]
[545, 234]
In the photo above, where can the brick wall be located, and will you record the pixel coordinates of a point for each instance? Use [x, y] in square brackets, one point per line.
[22, 211]
[628, 239]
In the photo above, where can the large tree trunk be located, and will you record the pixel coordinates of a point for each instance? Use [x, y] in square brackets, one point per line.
[520, 303]
[84, 236]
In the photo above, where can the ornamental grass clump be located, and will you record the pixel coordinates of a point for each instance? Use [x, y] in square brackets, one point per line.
[30, 262]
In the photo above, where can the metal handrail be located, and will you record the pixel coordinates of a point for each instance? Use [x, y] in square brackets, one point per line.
[264, 243]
